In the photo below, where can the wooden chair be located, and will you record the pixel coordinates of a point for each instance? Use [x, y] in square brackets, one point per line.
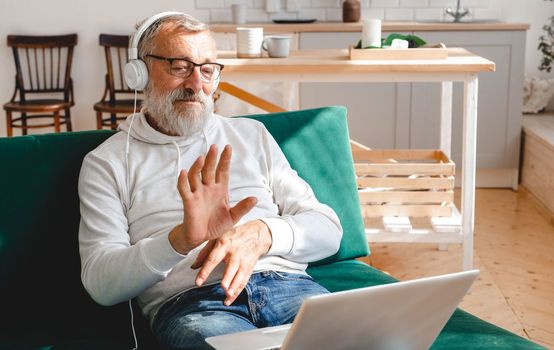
[43, 66]
[115, 49]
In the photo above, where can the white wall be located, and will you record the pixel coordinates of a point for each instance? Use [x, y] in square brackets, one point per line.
[90, 18]
[536, 13]
[86, 18]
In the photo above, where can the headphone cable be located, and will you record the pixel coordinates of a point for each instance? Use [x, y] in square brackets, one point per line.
[127, 165]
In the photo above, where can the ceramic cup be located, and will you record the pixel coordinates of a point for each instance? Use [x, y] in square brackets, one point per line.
[249, 41]
[239, 13]
[277, 45]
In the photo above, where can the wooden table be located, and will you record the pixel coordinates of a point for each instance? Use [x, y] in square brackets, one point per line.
[335, 66]
[387, 26]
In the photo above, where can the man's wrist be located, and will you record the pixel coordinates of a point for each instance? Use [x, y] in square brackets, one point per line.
[265, 237]
[177, 241]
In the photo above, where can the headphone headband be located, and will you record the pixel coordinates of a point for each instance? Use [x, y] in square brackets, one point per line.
[136, 72]
[133, 45]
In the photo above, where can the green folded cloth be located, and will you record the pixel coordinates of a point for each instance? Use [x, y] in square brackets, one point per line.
[413, 40]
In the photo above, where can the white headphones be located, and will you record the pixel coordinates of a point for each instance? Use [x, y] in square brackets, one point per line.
[136, 72]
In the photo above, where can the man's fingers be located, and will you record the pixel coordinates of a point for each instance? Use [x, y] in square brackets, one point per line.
[208, 170]
[195, 174]
[240, 279]
[183, 184]
[222, 171]
[203, 255]
[212, 260]
[241, 208]
[231, 266]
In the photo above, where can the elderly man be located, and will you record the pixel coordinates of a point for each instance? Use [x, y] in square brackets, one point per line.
[218, 248]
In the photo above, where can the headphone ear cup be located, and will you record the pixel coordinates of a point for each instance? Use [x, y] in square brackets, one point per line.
[136, 74]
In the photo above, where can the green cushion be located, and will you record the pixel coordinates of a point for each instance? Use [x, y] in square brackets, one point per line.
[71, 343]
[348, 274]
[317, 145]
[40, 285]
[465, 331]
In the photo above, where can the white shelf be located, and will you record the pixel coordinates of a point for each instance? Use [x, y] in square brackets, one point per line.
[414, 236]
[441, 230]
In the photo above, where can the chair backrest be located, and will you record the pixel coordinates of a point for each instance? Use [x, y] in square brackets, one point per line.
[43, 63]
[115, 49]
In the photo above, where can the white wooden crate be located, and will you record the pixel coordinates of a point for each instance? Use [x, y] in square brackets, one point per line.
[407, 195]
[418, 183]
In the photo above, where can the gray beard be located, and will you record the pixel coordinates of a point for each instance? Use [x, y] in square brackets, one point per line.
[172, 122]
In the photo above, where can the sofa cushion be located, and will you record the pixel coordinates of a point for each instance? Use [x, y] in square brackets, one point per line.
[40, 285]
[348, 274]
[465, 331]
[72, 343]
[317, 145]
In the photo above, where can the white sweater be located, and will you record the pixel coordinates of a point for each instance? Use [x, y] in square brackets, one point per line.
[128, 208]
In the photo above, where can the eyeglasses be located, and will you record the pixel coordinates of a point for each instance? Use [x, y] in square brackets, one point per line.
[183, 68]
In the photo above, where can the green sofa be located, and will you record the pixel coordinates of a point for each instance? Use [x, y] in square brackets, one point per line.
[44, 305]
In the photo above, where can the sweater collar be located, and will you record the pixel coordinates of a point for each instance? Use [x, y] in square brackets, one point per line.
[143, 131]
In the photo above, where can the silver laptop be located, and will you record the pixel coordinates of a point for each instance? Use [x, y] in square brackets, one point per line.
[403, 315]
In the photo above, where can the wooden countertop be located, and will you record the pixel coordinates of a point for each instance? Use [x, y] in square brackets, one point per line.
[337, 61]
[387, 27]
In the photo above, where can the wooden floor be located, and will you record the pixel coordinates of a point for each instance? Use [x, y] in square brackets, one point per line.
[514, 249]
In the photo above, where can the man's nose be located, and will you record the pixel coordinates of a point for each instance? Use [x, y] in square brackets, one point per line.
[194, 81]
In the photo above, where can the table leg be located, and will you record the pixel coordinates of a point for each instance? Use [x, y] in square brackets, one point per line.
[445, 140]
[446, 118]
[468, 167]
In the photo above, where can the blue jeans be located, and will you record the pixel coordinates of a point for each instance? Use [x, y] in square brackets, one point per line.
[270, 298]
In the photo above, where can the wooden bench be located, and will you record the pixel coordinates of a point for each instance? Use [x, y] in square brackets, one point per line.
[537, 166]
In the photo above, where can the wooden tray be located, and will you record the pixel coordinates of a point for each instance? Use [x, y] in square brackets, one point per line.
[417, 183]
[432, 53]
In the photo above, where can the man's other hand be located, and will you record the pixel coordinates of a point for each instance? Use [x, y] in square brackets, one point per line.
[240, 248]
[205, 195]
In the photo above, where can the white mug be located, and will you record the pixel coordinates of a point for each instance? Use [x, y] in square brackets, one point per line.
[239, 13]
[249, 41]
[277, 45]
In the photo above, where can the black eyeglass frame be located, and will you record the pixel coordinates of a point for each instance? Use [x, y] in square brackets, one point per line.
[170, 60]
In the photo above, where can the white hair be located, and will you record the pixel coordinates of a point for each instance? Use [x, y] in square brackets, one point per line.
[147, 44]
